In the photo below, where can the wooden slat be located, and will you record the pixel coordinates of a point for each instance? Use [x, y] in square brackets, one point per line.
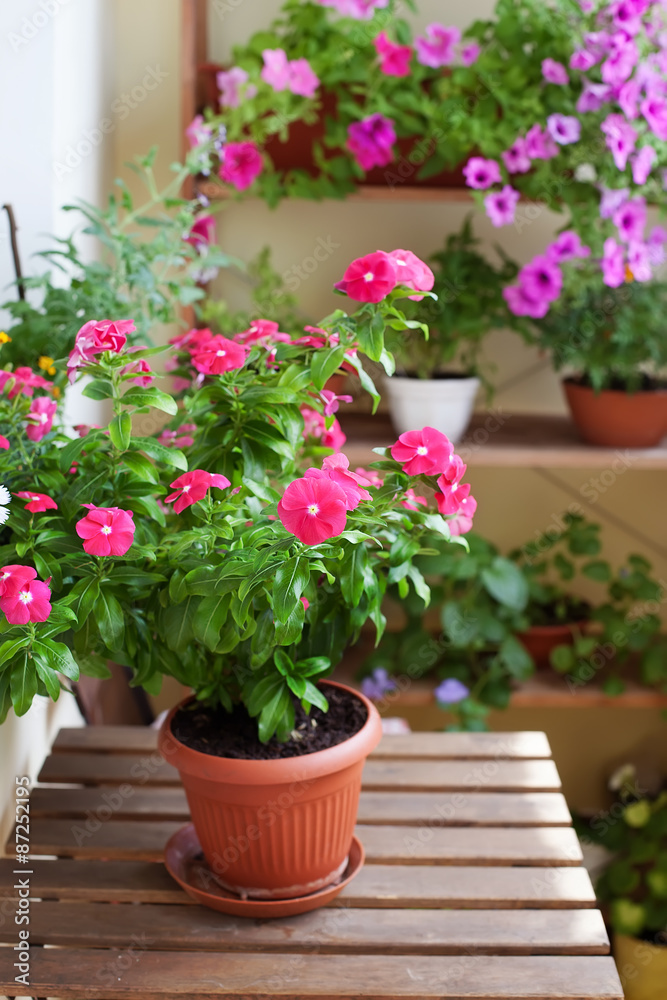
[97, 881]
[171, 975]
[338, 929]
[434, 746]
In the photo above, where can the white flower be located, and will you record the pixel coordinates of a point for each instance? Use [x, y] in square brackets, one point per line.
[585, 172]
[5, 498]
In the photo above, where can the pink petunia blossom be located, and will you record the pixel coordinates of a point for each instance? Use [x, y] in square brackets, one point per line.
[564, 129]
[331, 401]
[567, 246]
[198, 132]
[642, 164]
[96, 337]
[193, 486]
[371, 141]
[40, 418]
[627, 15]
[38, 501]
[501, 206]
[412, 500]
[583, 60]
[516, 158]
[481, 174]
[542, 279]
[470, 53]
[621, 138]
[611, 199]
[621, 61]
[521, 303]
[437, 47]
[539, 144]
[554, 72]
[593, 96]
[337, 469]
[302, 80]
[107, 531]
[359, 9]
[394, 59]
[370, 278]
[276, 68]
[422, 453]
[630, 219]
[13, 577]
[202, 234]
[241, 164]
[313, 509]
[22, 380]
[639, 260]
[413, 272]
[654, 110]
[232, 87]
[28, 602]
[613, 263]
[628, 97]
[219, 355]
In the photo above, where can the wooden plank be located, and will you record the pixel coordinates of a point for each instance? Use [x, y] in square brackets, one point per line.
[156, 975]
[101, 881]
[339, 929]
[425, 746]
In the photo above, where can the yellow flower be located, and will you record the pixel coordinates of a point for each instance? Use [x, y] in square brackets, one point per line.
[56, 391]
[51, 371]
[629, 276]
[4, 338]
[45, 363]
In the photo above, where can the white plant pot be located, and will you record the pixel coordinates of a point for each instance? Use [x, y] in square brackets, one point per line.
[443, 403]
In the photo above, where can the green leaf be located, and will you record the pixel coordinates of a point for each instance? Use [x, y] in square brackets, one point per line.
[562, 659]
[516, 658]
[142, 468]
[110, 620]
[209, 618]
[98, 389]
[151, 397]
[628, 917]
[11, 647]
[177, 624]
[86, 591]
[325, 363]
[505, 581]
[120, 431]
[277, 716]
[313, 696]
[289, 583]
[59, 657]
[23, 684]
[169, 456]
[289, 631]
[70, 453]
[47, 674]
[598, 570]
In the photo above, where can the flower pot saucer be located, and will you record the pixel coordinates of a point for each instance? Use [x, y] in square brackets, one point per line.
[186, 864]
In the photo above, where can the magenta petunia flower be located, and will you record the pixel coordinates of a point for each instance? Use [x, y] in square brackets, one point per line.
[628, 98]
[470, 53]
[40, 418]
[359, 9]
[370, 278]
[275, 71]
[630, 220]
[38, 501]
[521, 303]
[219, 355]
[501, 206]
[613, 263]
[371, 141]
[232, 87]
[30, 601]
[539, 144]
[423, 453]
[413, 272]
[437, 47]
[639, 260]
[331, 401]
[198, 132]
[193, 486]
[516, 158]
[654, 110]
[621, 138]
[313, 509]
[241, 164]
[621, 61]
[583, 60]
[611, 199]
[302, 80]
[451, 691]
[481, 174]
[554, 72]
[337, 469]
[593, 96]
[564, 129]
[202, 233]
[107, 531]
[567, 246]
[627, 15]
[394, 59]
[542, 279]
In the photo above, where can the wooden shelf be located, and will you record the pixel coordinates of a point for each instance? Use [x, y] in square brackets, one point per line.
[370, 192]
[500, 439]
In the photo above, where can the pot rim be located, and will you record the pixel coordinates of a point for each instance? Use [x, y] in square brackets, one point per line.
[554, 629]
[444, 377]
[286, 769]
[571, 383]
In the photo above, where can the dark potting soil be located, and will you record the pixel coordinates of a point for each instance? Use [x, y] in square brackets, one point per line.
[225, 734]
[647, 384]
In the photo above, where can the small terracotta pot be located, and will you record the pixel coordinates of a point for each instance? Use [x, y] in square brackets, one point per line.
[275, 829]
[539, 640]
[336, 383]
[616, 419]
[642, 968]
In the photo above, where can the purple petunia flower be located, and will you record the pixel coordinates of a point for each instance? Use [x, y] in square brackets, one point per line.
[593, 96]
[481, 174]
[621, 61]
[378, 684]
[371, 141]
[642, 164]
[359, 9]
[627, 16]
[501, 206]
[639, 261]
[628, 98]
[275, 71]
[656, 244]
[564, 129]
[542, 279]
[630, 220]
[516, 158]
[613, 263]
[654, 110]
[451, 691]
[470, 53]
[437, 47]
[554, 72]
[539, 144]
[621, 138]
[567, 246]
[611, 199]
[583, 60]
[521, 304]
[230, 85]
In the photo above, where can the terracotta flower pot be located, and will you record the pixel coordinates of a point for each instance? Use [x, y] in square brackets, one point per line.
[642, 968]
[275, 829]
[539, 640]
[616, 419]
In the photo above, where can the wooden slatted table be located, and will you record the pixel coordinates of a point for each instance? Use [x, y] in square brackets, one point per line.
[473, 885]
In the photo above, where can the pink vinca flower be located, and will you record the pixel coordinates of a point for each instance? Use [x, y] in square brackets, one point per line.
[362, 10]
[371, 141]
[374, 478]
[459, 524]
[13, 577]
[313, 509]
[107, 531]
[38, 501]
[369, 278]
[263, 332]
[455, 500]
[219, 355]
[337, 469]
[413, 272]
[4, 442]
[412, 500]
[40, 418]
[314, 426]
[331, 401]
[29, 601]
[394, 59]
[241, 164]
[142, 371]
[422, 453]
[22, 380]
[96, 337]
[437, 47]
[193, 486]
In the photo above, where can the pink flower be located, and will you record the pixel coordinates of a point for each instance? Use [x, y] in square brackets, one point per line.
[521, 303]
[621, 138]
[422, 453]
[455, 500]
[13, 577]
[370, 278]
[582, 60]
[374, 478]
[654, 110]
[394, 59]
[621, 61]
[501, 206]
[630, 219]
[232, 87]
[331, 401]
[202, 233]
[611, 199]
[193, 486]
[613, 263]
[30, 601]
[539, 144]
[542, 279]
[171, 439]
[302, 80]
[642, 164]
[108, 531]
[198, 132]
[371, 141]
[412, 500]
[315, 427]
[264, 332]
[436, 47]
[639, 260]
[143, 372]
[23, 380]
[38, 502]
[313, 509]
[470, 53]
[193, 340]
[593, 97]
[413, 272]
[567, 246]
[96, 337]
[337, 469]
[516, 158]
[452, 474]
[360, 9]
[459, 524]
[219, 355]
[83, 430]
[480, 173]
[241, 164]
[554, 72]
[4, 443]
[564, 129]
[40, 418]
[628, 97]
[276, 68]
